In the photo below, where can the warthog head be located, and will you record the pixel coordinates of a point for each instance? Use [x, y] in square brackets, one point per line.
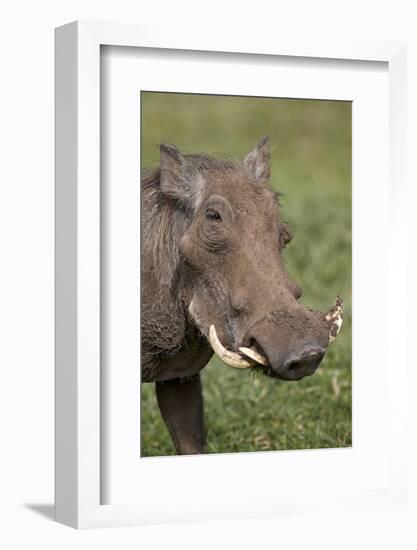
[240, 296]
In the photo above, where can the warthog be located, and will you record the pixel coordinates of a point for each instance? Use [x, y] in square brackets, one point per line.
[213, 280]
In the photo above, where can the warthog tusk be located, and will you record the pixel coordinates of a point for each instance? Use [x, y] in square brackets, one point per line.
[253, 354]
[229, 357]
[335, 311]
[334, 331]
[335, 315]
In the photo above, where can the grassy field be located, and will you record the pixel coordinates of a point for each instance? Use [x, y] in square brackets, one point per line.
[311, 166]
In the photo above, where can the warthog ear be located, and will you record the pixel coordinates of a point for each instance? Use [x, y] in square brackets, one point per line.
[179, 179]
[258, 161]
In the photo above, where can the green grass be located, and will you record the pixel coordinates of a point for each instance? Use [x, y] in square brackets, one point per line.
[311, 166]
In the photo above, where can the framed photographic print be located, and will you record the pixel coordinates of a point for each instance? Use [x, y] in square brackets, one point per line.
[253, 303]
[221, 214]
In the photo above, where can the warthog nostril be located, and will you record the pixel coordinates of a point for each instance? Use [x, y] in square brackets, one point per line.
[314, 353]
[305, 359]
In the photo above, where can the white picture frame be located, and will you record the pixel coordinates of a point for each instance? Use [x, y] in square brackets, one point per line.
[78, 406]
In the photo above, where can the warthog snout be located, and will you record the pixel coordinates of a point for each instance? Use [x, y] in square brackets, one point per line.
[288, 344]
[289, 356]
[302, 362]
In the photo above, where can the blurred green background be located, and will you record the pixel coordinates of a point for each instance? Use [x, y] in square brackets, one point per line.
[311, 166]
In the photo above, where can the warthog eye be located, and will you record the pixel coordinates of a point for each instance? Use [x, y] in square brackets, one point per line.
[213, 214]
